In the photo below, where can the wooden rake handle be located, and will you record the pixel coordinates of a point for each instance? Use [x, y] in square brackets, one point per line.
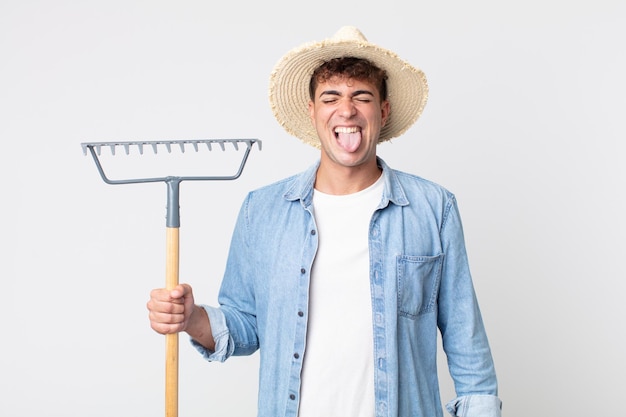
[171, 340]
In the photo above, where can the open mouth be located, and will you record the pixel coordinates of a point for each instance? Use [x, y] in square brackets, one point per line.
[349, 138]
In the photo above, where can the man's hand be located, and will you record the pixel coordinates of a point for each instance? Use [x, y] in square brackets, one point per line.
[170, 310]
[173, 311]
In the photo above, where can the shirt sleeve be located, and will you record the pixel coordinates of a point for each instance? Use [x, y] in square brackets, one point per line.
[233, 323]
[463, 333]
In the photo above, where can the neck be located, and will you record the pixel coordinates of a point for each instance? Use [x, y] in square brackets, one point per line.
[341, 180]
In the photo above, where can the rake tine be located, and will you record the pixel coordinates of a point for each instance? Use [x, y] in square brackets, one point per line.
[126, 148]
[169, 147]
[112, 146]
[98, 149]
[154, 147]
[182, 147]
[235, 145]
[195, 146]
[140, 146]
[208, 144]
[222, 145]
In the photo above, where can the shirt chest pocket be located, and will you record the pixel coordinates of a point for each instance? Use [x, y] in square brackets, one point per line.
[418, 284]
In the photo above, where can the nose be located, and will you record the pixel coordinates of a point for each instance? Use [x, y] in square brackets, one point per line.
[346, 108]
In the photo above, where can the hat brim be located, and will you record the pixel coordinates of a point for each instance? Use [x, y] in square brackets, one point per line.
[289, 86]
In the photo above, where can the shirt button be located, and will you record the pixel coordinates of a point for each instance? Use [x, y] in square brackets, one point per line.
[292, 397]
[302, 270]
[300, 313]
[313, 232]
[296, 355]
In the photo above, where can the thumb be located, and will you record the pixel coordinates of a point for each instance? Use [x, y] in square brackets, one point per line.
[181, 291]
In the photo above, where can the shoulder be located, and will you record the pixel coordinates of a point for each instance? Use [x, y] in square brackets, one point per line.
[273, 197]
[290, 189]
[416, 187]
[423, 198]
[416, 180]
[274, 189]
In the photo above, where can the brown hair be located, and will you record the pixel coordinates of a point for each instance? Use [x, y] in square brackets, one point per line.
[349, 68]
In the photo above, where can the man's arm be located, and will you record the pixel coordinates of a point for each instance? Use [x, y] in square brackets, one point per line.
[464, 337]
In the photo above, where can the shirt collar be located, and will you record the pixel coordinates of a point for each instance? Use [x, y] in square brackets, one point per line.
[302, 187]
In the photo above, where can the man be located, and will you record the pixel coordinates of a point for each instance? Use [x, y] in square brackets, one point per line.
[342, 275]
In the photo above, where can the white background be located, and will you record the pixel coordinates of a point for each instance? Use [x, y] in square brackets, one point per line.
[525, 124]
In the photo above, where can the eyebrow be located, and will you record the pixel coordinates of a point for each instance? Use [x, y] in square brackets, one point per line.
[354, 94]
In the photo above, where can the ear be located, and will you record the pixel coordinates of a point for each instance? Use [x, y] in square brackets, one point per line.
[312, 111]
[385, 108]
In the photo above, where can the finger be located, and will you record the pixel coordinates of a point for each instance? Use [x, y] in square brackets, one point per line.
[175, 306]
[166, 318]
[160, 294]
[168, 307]
[164, 328]
[180, 291]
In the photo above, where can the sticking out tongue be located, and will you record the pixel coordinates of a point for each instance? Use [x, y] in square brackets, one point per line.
[349, 141]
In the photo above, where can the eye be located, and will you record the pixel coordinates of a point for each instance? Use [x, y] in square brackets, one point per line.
[363, 98]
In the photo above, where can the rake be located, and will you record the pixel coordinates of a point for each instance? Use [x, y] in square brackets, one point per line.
[172, 223]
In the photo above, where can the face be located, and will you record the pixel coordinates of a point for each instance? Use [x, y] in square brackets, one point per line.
[348, 116]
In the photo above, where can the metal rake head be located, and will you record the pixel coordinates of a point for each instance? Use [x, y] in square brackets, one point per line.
[173, 182]
[95, 149]
[168, 144]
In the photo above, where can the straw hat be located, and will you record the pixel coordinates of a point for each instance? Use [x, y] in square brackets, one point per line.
[289, 84]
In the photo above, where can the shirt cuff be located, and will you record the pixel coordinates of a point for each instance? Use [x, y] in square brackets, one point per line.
[223, 346]
[475, 406]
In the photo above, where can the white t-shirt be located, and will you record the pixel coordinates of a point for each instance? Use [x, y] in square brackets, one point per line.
[338, 367]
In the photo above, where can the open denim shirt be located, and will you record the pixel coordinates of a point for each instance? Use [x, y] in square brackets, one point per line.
[420, 283]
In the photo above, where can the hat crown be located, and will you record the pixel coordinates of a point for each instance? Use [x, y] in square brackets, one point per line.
[349, 33]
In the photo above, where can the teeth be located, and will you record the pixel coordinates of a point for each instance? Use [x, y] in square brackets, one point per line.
[346, 129]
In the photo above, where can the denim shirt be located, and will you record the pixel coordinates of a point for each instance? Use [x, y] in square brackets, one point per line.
[420, 284]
